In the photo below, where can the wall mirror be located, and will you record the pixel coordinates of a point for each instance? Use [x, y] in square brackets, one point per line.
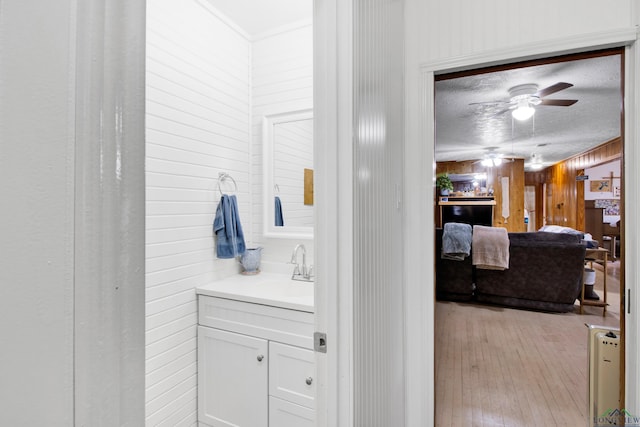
[469, 182]
[288, 159]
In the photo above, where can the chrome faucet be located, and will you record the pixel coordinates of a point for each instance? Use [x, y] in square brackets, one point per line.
[301, 272]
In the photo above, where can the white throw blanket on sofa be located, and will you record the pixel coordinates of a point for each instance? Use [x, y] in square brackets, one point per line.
[490, 248]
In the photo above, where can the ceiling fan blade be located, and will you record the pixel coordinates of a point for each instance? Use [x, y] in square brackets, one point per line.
[558, 102]
[501, 112]
[488, 102]
[553, 89]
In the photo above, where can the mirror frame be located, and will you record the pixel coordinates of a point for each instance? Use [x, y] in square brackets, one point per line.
[268, 217]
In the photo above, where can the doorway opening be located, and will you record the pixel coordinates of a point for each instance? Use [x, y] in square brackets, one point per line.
[500, 362]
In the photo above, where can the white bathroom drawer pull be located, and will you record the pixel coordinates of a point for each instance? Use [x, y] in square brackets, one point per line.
[309, 380]
[260, 357]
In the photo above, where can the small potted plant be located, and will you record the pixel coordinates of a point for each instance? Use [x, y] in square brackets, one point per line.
[443, 182]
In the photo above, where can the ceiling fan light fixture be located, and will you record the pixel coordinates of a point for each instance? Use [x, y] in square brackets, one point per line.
[491, 161]
[523, 111]
[536, 163]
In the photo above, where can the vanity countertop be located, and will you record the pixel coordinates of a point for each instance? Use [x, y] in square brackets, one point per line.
[277, 290]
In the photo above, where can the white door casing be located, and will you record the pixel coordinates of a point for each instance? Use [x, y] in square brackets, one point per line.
[334, 209]
[420, 145]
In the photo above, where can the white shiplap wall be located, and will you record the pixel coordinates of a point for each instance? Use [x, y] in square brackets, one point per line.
[282, 81]
[197, 125]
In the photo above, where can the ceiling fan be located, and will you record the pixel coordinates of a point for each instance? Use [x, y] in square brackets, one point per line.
[492, 158]
[525, 97]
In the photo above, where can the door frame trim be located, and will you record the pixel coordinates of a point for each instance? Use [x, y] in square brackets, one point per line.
[420, 294]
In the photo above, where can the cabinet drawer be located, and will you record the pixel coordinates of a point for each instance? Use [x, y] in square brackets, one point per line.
[292, 374]
[287, 414]
[262, 321]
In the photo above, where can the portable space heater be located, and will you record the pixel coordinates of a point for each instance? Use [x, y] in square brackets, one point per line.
[604, 376]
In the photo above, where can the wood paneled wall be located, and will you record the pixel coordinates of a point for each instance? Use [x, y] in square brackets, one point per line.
[565, 195]
[515, 171]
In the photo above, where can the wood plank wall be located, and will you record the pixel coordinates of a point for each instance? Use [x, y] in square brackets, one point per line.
[565, 195]
[515, 171]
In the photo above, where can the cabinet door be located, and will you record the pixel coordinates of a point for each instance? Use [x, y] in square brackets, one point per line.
[232, 379]
[287, 414]
[292, 374]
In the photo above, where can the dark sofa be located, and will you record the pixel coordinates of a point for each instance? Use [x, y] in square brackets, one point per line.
[454, 279]
[545, 273]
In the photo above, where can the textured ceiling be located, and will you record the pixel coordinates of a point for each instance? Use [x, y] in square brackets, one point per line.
[468, 131]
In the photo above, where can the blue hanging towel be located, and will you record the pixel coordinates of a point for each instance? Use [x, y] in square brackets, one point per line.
[278, 215]
[227, 228]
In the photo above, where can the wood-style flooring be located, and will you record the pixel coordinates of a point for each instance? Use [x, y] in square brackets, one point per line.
[497, 366]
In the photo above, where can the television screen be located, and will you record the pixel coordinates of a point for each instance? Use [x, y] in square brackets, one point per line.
[468, 214]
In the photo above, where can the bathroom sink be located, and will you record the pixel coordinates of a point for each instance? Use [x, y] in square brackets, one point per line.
[274, 289]
[295, 288]
[283, 286]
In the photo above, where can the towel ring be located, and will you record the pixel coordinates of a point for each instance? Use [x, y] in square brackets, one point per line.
[276, 188]
[222, 176]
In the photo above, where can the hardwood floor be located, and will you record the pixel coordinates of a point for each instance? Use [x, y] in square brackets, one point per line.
[497, 366]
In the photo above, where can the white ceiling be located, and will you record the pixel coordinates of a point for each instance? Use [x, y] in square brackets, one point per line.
[468, 132]
[256, 16]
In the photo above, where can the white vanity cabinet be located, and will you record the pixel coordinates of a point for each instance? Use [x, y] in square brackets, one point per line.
[255, 364]
[232, 378]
